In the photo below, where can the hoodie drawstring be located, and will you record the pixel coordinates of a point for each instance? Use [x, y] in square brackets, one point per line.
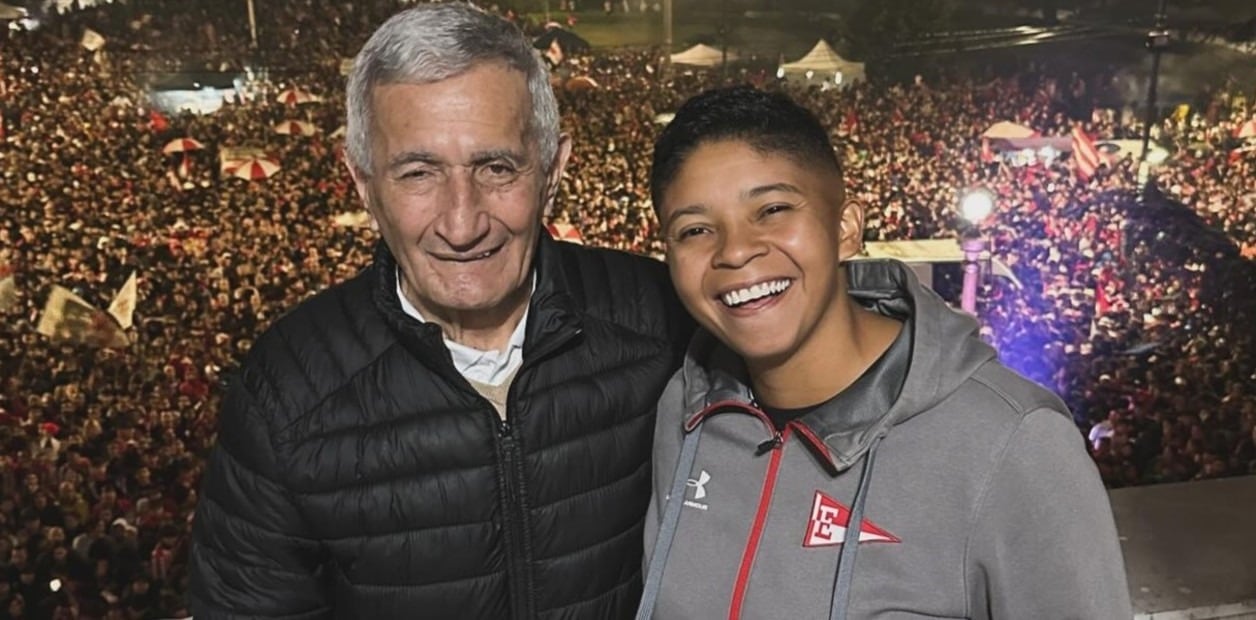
[850, 544]
[667, 529]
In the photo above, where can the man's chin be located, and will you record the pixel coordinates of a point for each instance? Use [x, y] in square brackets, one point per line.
[468, 303]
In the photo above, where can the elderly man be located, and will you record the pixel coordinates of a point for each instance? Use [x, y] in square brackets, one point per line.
[463, 430]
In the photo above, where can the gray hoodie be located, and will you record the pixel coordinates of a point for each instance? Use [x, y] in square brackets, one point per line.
[968, 488]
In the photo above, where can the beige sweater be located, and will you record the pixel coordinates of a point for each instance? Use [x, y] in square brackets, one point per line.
[495, 394]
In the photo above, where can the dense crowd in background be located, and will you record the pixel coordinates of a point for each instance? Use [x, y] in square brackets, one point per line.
[1136, 312]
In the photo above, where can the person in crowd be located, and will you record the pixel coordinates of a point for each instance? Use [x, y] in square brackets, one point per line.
[464, 427]
[844, 404]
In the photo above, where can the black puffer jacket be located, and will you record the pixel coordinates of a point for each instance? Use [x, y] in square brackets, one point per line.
[358, 475]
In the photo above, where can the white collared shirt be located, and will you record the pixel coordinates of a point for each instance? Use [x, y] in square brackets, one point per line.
[490, 367]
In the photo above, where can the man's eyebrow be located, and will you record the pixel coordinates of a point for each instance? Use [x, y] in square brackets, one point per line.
[695, 209]
[760, 190]
[483, 157]
[412, 157]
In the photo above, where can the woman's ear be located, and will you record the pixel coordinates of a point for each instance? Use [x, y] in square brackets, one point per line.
[851, 230]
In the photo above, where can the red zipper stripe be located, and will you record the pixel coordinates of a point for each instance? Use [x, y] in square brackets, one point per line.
[756, 530]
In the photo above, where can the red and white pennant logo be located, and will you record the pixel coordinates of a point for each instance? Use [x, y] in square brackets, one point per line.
[829, 519]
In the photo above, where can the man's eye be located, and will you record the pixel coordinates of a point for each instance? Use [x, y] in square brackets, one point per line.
[499, 170]
[416, 174]
[775, 208]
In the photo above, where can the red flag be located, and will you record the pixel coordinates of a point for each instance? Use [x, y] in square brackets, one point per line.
[1102, 303]
[987, 155]
[850, 123]
[1085, 155]
[157, 122]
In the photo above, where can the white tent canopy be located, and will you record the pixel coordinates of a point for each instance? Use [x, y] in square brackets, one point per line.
[701, 56]
[825, 64]
[1004, 130]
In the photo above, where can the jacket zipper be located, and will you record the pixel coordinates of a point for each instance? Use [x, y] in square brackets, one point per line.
[756, 528]
[513, 483]
[514, 524]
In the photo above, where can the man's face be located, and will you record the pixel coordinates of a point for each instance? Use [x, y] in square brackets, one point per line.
[457, 189]
[753, 247]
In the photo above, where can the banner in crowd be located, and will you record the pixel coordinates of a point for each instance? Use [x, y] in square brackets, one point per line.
[123, 306]
[69, 318]
[92, 40]
[1085, 155]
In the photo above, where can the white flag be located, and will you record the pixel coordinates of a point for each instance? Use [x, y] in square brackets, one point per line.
[123, 306]
[353, 219]
[8, 292]
[92, 40]
[67, 317]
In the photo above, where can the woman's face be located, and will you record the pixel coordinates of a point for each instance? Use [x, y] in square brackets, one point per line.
[754, 245]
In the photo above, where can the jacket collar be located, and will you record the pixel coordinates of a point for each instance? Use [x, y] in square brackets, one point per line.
[935, 353]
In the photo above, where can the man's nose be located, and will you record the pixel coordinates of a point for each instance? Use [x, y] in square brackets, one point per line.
[463, 222]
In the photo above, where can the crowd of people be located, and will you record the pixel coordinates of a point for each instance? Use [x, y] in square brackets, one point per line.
[1134, 309]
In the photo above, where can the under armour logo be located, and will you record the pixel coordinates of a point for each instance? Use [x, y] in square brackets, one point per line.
[699, 485]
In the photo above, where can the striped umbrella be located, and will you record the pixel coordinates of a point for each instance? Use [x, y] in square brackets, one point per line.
[255, 169]
[296, 128]
[294, 96]
[182, 145]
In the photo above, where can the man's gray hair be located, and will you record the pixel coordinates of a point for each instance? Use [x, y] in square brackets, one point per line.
[432, 42]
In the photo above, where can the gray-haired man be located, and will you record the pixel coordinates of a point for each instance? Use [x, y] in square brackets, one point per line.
[463, 430]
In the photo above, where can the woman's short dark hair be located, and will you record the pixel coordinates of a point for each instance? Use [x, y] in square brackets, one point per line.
[768, 122]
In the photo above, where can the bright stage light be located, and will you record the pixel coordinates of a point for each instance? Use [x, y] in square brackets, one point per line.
[976, 204]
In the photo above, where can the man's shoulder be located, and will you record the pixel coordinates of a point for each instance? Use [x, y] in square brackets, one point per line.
[345, 306]
[321, 341]
[595, 261]
[617, 286]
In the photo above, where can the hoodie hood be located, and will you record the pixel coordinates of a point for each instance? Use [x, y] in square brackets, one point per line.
[945, 351]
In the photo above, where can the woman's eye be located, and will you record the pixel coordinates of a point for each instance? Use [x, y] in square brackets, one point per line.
[691, 231]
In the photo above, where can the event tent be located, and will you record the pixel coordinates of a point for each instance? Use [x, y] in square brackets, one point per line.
[701, 56]
[1004, 130]
[825, 65]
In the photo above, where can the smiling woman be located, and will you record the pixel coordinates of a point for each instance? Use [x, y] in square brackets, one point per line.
[802, 348]
[775, 222]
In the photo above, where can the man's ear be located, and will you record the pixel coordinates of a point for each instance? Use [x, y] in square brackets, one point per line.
[555, 176]
[851, 230]
[360, 184]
